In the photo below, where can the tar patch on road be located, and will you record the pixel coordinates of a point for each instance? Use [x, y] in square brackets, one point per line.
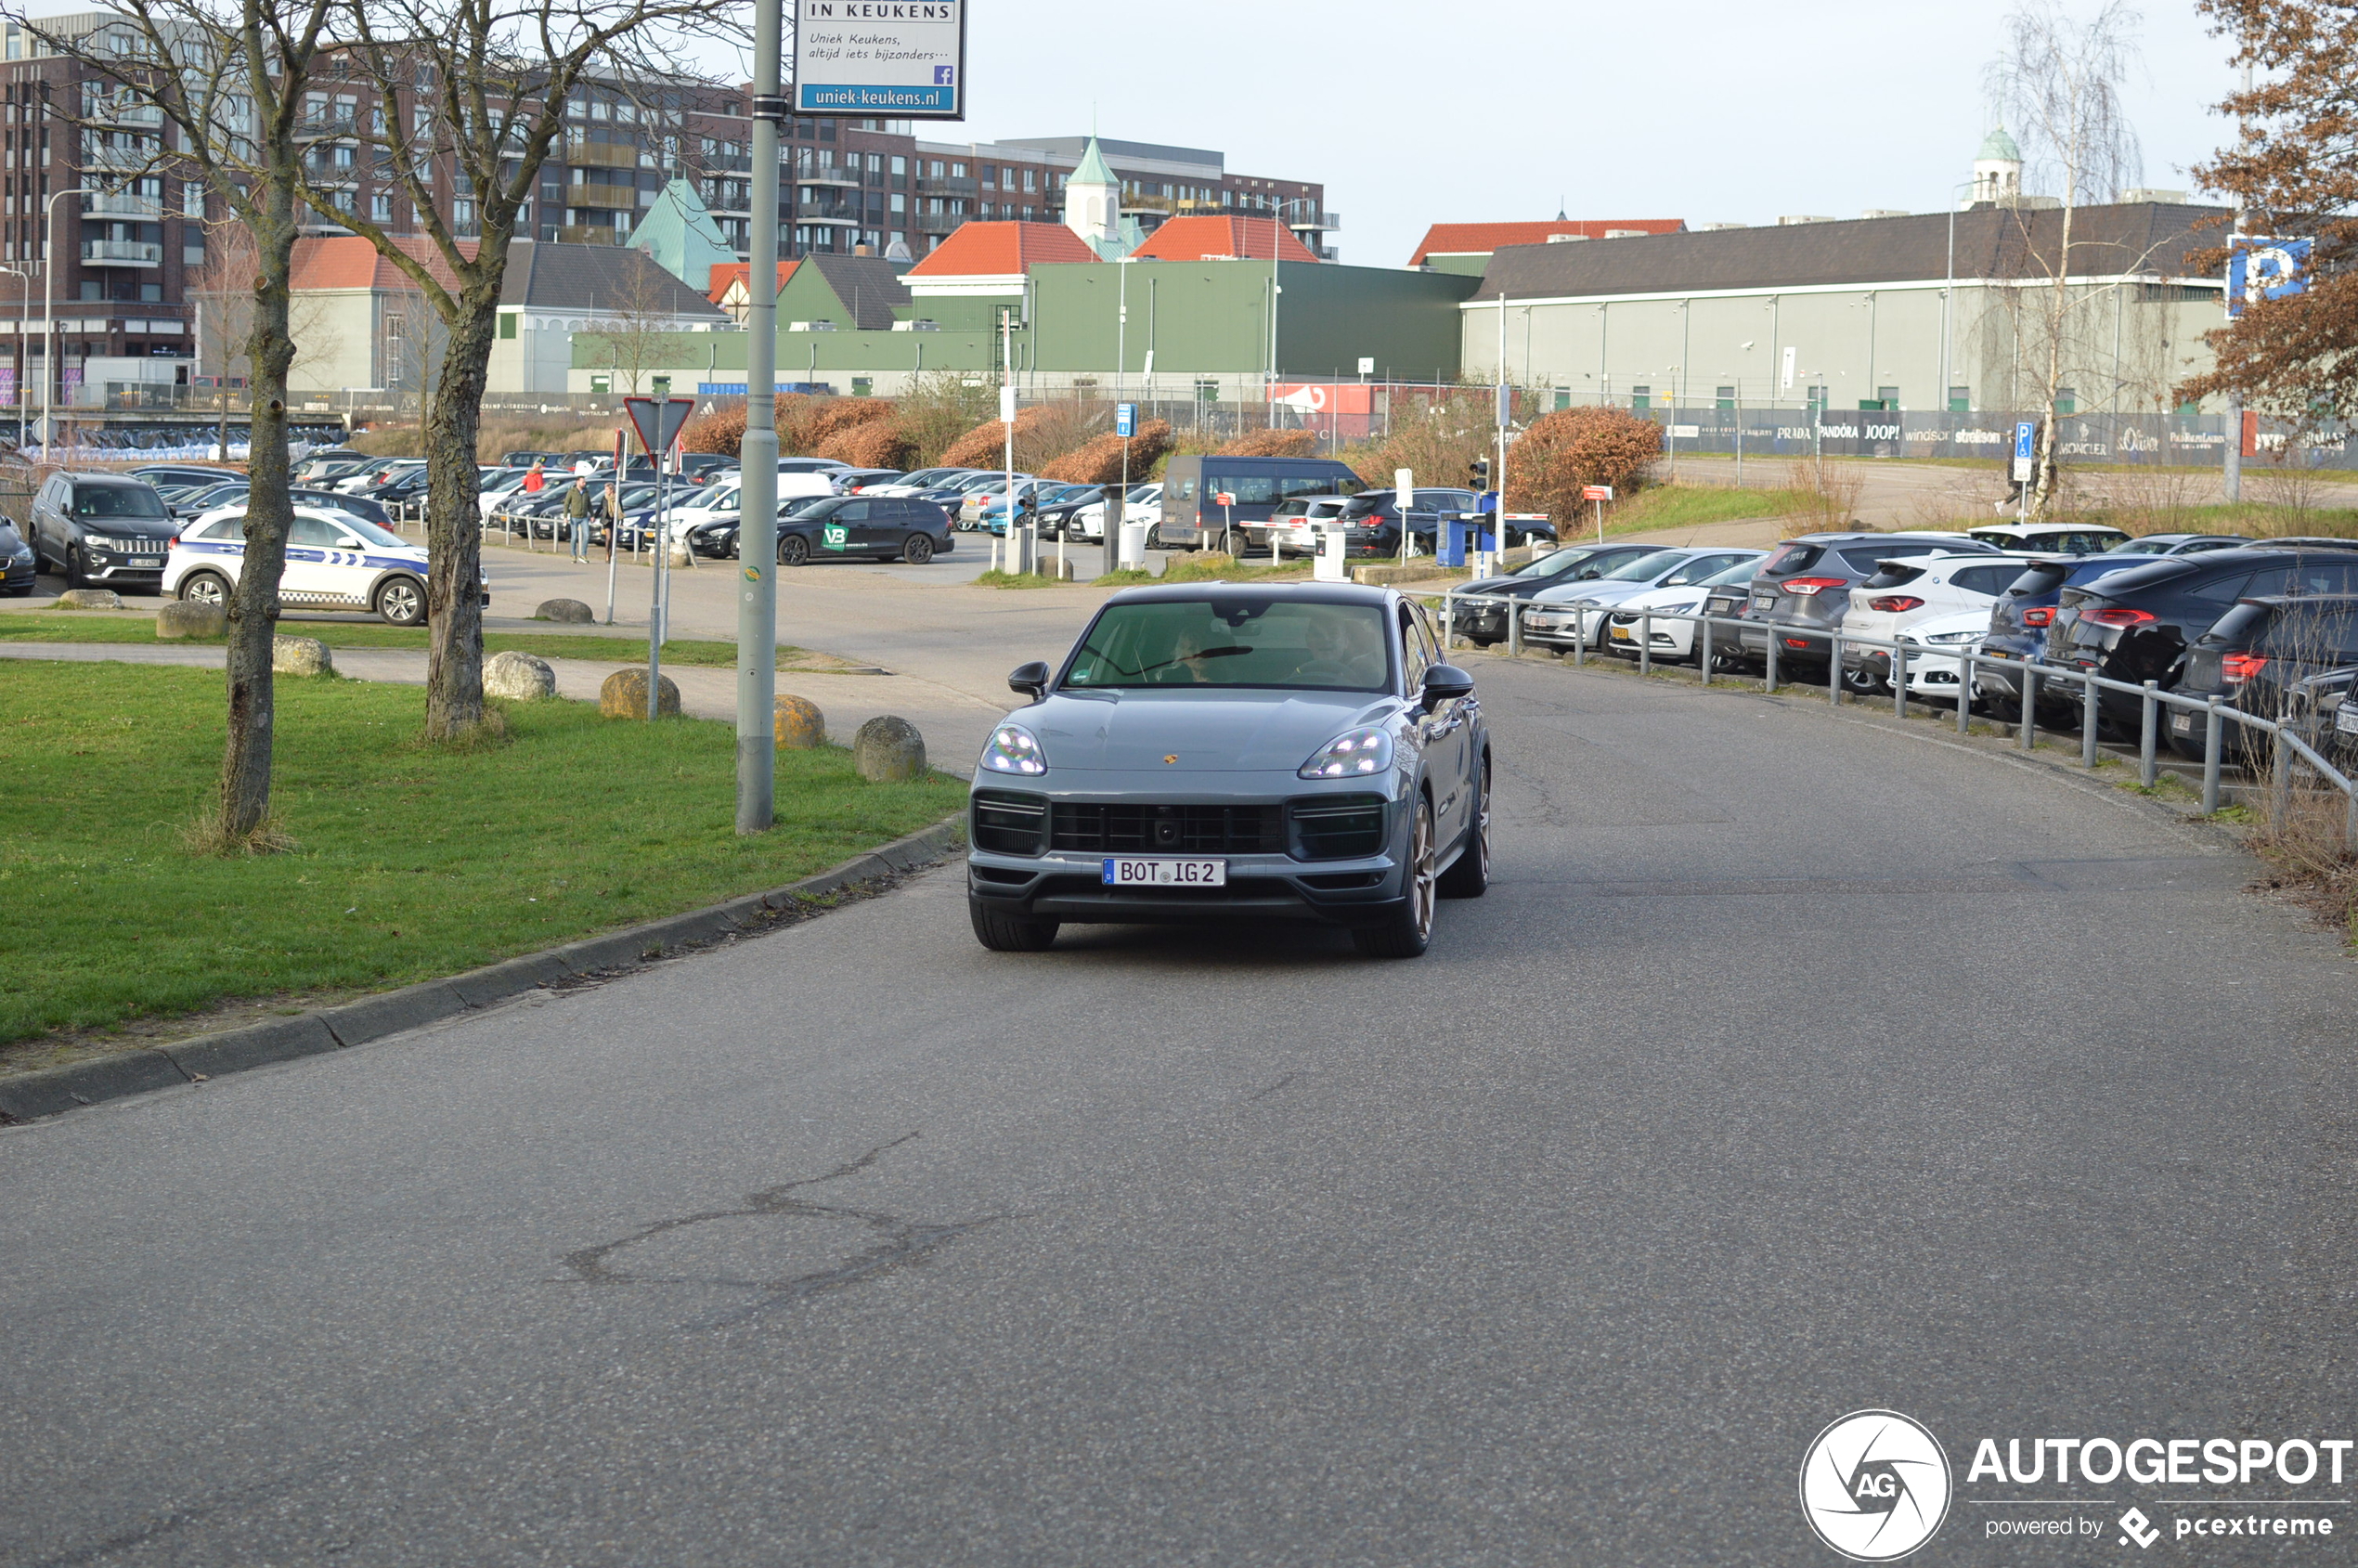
[830, 1246]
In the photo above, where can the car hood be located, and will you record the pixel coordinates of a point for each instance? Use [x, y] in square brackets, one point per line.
[1600, 591]
[130, 527]
[1226, 733]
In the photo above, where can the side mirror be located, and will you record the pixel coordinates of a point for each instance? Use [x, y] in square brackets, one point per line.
[1032, 679]
[1446, 683]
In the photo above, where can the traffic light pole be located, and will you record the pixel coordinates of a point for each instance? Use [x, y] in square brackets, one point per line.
[757, 495]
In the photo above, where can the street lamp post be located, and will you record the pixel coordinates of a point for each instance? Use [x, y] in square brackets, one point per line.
[1948, 297]
[49, 320]
[757, 495]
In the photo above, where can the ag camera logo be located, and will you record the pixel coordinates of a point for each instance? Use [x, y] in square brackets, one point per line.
[1874, 1485]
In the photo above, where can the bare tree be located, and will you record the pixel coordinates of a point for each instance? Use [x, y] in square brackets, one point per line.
[226, 81]
[2060, 81]
[479, 88]
[637, 318]
[223, 292]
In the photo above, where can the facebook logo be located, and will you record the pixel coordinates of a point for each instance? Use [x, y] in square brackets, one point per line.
[943, 75]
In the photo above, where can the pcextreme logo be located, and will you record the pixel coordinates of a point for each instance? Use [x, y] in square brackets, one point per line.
[1874, 1485]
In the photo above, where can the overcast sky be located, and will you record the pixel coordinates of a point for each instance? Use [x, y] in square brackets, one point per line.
[1414, 113]
[1709, 111]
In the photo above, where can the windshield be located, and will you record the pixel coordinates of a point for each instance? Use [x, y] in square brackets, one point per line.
[1236, 643]
[1646, 567]
[2149, 546]
[368, 531]
[1742, 572]
[118, 501]
[1143, 492]
[1553, 563]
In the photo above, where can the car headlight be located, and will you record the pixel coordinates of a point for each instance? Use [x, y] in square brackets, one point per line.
[1015, 750]
[1353, 754]
[1950, 639]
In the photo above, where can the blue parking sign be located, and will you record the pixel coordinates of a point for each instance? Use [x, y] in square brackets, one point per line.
[1125, 419]
[2026, 448]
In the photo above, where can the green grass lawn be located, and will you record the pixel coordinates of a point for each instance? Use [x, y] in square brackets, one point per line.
[2253, 520]
[410, 863]
[80, 625]
[1684, 506]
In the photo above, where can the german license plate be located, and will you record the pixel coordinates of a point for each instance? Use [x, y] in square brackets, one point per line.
[2345, 720]
[138, 561]
[837, 536]
[1121, 872]
[1764, 602]
[2184, 724]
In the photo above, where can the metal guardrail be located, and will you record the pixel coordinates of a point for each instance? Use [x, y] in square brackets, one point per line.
[2151, 699]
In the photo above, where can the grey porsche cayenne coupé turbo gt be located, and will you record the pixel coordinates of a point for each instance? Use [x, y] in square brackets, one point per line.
[1215, 754]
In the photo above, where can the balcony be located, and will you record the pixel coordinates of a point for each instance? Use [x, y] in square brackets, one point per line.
[588, 234]
[602, 154]
[725, 164]
[125, 159]
[121, 252]
[824, 174]
[827, 212]
[1325, 222]
[618, 198]
[122, 204]
[939, 223]
[948, 185]
[124, 110]
[327, 127]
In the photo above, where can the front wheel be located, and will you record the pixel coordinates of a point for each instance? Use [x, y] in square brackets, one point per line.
[402, 602]
[1468, 874]
[205, 588]
[793, 550]
[917, 549]
[75, 576]
[1409, 931]
[1007, 933]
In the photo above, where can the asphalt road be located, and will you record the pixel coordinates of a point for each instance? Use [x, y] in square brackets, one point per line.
[1792, 1066]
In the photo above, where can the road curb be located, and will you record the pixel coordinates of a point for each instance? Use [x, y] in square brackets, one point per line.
[30, 1096]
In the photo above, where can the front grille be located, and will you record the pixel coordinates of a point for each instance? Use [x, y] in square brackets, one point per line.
[1337, 828]
[1131, 828]
[1008, 823]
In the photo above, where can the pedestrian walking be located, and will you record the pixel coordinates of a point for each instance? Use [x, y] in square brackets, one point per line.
[578, 519]
[533, 482]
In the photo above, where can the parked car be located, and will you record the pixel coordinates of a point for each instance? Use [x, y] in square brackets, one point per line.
[853, 481]
[974, 505]
[2253, 657]
[334, 562]
[1920, 587]
[377, 473]
[1140, 503]
[704, 468]
[1679, 641]
[1296, 753]
[233, 498]
[1567, 611]
[1372, 520]
[1192, 517]
[2019, 623]
[102, 530]
[161, 475]
[20, 567]
[1938, 670]
[1046, 502]
[526, 459]
[917, 481]
[877, 527]
[195, 500]
[1298, 525]
[2136, 626]
[1484, 623]
[2176, 544]
[1060, 518]
[1807, 581]
[2053, 538]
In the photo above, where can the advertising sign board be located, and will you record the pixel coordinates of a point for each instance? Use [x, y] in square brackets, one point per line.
[900, 60]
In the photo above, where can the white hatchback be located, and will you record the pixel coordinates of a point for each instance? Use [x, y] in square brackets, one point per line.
[334, 562]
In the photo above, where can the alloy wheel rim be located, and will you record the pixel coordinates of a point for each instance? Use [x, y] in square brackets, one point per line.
[402, 600]
[1423, 857]
[1482, 826]
[205, 591]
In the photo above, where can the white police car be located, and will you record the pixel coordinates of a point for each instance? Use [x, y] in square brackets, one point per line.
[334, 562]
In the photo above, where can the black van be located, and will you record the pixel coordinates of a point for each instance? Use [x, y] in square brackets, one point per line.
[1192, 517]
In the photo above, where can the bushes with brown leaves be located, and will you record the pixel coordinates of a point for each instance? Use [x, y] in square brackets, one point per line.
[1099, 460]
[1043, 433]
[1271, 444]
[720, 430]
[873, 444]
[1562, 451]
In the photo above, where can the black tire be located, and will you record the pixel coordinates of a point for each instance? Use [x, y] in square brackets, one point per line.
[205, 588]
[1468, 874]
[918, 549]
[401, 602]
[1007, 933]
[793, 550]
[1409, 931]
[73, 567]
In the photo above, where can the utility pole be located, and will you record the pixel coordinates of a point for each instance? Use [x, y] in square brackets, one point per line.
[2231, 482]
[757, 495]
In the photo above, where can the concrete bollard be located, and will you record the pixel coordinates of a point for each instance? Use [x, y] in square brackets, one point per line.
[800, 725]
[183, 618]
[519, 676]
[888, 750]
[573, 612]
[301, 655]
[624, 696]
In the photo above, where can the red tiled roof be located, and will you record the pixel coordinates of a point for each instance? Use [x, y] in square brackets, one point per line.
[347, 260]
[1002, 250]
[1195, 238]
[726, 274]
[1481, 239]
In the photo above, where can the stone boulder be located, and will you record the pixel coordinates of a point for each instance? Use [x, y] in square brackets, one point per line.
[90, 599]
[624, 696]
[187, 619]
[888, 750]
[301, 655]
[573, 612]
[800, 724]
[521, 677]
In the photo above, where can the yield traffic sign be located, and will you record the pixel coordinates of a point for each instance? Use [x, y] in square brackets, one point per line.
[658, 420]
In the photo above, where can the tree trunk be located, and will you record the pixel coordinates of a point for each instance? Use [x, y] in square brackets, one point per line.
[454, 520]
[253, 609]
